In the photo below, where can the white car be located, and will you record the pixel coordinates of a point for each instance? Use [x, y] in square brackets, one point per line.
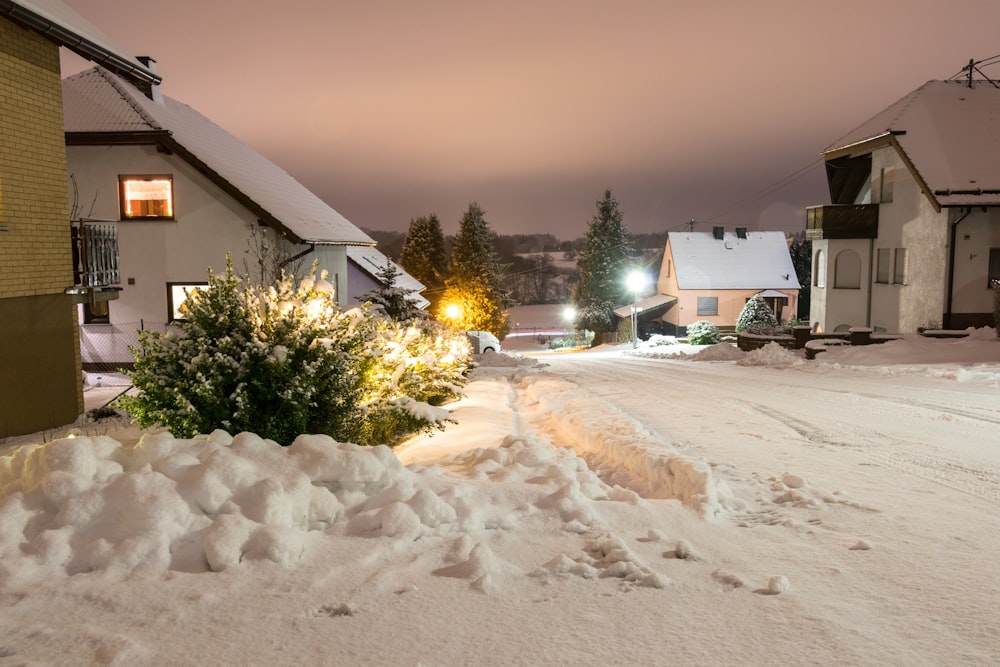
[483, 342]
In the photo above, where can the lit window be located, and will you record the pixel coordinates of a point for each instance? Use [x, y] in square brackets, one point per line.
[177, 295]
[146, 197]
[708, 305]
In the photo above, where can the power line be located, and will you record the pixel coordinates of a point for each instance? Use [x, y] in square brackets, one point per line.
[781, 184]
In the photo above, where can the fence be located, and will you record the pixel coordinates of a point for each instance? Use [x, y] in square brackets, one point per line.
[106, 348]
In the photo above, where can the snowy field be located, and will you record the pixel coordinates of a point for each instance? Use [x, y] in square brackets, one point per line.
[671, 504]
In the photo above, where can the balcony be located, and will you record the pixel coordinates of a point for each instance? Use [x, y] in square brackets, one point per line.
[854, 221]
[95, 261]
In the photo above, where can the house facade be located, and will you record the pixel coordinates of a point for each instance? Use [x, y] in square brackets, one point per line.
[912, 237]
[40, 276]
[711, 275]
[183, 194]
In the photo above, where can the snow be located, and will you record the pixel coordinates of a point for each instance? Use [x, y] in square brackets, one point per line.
[671, 503]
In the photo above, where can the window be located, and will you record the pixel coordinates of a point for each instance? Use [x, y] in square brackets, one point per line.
[146, 197]
[993, 274]
[885, 185]
[847, 270]
[667, 275]
[883, 269]
[97, 312]
[899, 267]
[819, 269]
[177, 294]
[708, 305]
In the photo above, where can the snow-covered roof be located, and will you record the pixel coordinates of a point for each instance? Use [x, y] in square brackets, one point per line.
[97, 103]
[950, 134]
[65, 27]
[646, 304]
[371, 261]
[759, 261]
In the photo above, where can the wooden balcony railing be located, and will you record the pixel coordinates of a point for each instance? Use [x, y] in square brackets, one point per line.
[95, 255]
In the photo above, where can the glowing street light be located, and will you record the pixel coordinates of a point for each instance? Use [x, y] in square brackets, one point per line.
[452, 312]
[636, 282]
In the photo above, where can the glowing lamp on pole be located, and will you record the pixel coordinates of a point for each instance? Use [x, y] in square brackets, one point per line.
[636, 283]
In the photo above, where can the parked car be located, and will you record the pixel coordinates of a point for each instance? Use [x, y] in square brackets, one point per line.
[483, 342]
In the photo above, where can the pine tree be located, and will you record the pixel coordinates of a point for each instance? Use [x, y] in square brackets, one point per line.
[603, 264]
[395, 301]
[756, 317]
[475, 277]
[425, 255]
[801, 253]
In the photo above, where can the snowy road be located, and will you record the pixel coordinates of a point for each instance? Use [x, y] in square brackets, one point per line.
[828, 420]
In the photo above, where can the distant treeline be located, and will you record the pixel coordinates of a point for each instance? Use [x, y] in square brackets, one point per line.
[509, 246]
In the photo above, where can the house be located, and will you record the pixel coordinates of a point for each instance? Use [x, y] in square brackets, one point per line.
[181, 193]
[41, 276]
[711, 275]
[911, 238]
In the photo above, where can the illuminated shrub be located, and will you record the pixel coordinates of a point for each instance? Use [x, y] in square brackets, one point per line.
[283, 360]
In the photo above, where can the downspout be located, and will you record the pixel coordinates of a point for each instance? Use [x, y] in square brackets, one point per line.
[285, 262]
[951, 267]
[871, 269]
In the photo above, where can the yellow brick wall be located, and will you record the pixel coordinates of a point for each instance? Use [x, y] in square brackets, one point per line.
[40, 373]
[35, 251]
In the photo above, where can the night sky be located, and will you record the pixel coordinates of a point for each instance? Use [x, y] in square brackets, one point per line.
[393, 109]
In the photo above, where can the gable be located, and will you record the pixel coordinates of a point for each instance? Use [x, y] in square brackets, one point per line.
[947, 133]
[101, 109]
[759, 261]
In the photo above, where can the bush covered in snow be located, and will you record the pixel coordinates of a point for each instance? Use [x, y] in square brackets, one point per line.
[757, 317]
[702, 332]
[286, 359]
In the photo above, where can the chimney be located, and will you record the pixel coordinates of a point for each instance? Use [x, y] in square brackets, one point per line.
[718, 232]
[741, 232]
[150, 90]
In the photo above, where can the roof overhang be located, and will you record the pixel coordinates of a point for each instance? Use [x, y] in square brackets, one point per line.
[78, 43]
[650, 303]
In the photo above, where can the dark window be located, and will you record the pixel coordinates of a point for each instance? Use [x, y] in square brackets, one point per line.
[708, 305]
[993, 276]
[883, 268]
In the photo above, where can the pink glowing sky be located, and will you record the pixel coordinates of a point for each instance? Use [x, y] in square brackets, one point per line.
[391, 109]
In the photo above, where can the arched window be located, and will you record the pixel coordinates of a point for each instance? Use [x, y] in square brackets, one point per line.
[847, 270]
[819, 269]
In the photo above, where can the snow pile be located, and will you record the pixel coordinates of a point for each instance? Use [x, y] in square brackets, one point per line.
[610, 440]
[89, 504]
[719, 352]
[772, 354]
[981, 345]
[493, 359]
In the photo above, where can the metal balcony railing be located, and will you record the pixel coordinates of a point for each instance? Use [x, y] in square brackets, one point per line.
[95, 255]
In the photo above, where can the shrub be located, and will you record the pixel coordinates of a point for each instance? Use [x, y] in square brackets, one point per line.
[756, 317]
[702, 332]
[277, 361]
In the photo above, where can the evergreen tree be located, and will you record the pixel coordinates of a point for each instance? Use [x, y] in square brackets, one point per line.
[756, 317]
[474, 279]
[425, 255]
[396, 302]
[801, 252]
[602, 263]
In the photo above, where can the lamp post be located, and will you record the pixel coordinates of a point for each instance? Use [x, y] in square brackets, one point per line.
[636, 282]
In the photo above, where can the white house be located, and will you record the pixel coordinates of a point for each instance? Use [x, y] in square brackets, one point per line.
[180, 193]
[912, 237]
[711, 275]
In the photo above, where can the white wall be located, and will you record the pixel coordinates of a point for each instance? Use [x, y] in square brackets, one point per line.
[208, 224]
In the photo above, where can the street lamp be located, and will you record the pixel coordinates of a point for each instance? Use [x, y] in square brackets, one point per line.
[636, 282]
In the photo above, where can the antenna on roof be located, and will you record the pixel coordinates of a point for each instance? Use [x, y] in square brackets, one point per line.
[975, 66]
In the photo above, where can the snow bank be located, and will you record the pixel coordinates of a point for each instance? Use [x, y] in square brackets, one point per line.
[88, 504]
[772, 354]
[609, 439]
